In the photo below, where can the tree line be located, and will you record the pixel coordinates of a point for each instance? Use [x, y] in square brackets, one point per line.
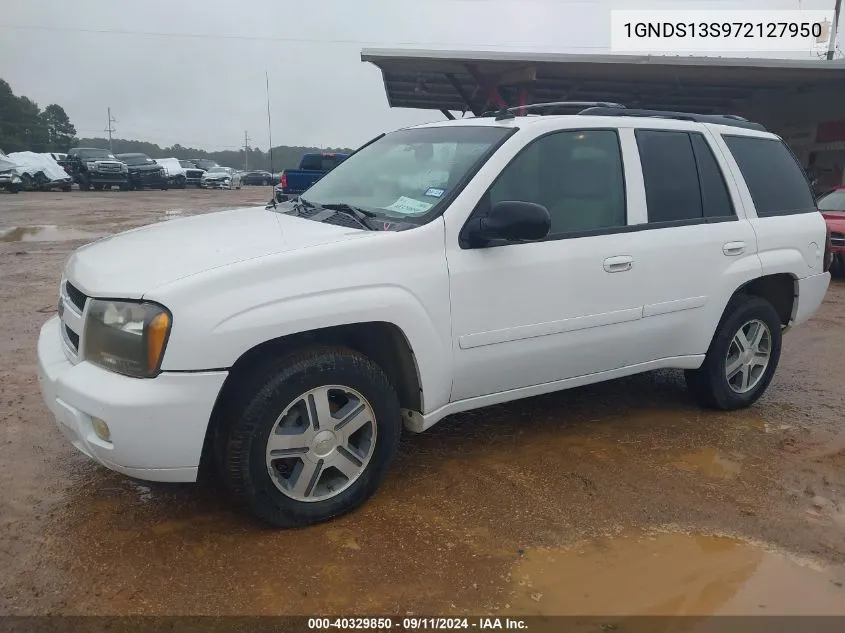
[24, 126]
[284, 156]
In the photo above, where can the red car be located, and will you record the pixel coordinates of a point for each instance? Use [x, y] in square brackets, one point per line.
[832, 206]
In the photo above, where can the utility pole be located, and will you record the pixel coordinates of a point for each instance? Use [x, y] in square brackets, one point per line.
[269, 125]
[110, 130]
[246, 151]
[831, 47]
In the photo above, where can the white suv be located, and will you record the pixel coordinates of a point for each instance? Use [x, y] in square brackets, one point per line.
[440, 268]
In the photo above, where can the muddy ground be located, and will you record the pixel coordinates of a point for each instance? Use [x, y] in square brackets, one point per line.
[617, 498]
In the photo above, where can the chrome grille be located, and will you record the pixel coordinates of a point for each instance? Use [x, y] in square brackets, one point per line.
[837, 239]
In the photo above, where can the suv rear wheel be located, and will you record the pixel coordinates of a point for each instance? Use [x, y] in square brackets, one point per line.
[742, 358]
[312, 436]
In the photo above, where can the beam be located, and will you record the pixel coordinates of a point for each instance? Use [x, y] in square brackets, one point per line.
[462, 93]
[489, 86]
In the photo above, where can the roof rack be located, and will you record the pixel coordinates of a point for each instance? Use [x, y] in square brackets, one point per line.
[550, 107]
[717, 119]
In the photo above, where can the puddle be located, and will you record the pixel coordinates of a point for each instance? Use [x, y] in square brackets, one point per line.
[710, 463]
[45, 233]
[672, 575]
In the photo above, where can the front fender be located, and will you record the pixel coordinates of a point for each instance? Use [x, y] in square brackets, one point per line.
[398, 278]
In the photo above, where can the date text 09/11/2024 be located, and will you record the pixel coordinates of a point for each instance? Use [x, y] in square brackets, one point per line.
[415, 624]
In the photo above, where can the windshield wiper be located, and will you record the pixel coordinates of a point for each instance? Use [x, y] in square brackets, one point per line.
[355, 212]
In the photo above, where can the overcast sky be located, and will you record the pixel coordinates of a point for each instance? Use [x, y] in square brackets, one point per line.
[192, 71]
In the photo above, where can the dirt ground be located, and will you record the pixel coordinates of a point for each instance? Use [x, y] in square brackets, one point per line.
[617, 498]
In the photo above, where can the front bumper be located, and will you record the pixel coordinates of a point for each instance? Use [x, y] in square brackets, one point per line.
[152, 180]
[216, 184]
[114, 178]
[157, 425]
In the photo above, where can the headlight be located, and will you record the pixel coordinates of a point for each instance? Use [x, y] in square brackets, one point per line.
[92, 165]
[127, 337]
[124, 167]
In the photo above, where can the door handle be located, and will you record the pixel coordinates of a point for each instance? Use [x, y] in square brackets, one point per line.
[732, 249]
[618, 264]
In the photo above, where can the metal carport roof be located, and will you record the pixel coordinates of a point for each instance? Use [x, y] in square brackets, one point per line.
[477, 81]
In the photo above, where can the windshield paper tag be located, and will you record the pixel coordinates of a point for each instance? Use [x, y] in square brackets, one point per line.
[434, 192]
[409, 205]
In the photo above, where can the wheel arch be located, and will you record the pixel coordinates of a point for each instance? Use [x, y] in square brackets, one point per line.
[779, 289]
[383, 342]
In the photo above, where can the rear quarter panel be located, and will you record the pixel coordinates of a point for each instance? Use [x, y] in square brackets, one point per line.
[792, 244]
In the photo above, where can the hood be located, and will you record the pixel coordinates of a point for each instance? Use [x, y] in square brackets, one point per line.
[216, 175]
[135, 262]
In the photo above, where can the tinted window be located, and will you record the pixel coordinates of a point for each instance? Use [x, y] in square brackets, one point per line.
[576, 175]
[774, 178]
[715, 199]
[670, 174]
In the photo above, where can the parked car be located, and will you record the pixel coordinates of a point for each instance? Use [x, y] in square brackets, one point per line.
[40, 172]
[221, 178]
[257, 178]
[10, 178]
[180, 173]
[312, 167]
[204, 163]
[192, 173]
[98, 168]
[832, 206]
[443, 268]
[144, 172]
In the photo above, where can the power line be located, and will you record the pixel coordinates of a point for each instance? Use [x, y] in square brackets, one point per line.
[255, 38]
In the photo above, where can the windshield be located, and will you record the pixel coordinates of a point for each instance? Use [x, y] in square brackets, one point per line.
[135, 159]
[186, 164]
[834, 201]
[96, 154]
[408, 173]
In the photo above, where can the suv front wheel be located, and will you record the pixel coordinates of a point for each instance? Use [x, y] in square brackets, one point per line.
[742, 358]
[311, 437]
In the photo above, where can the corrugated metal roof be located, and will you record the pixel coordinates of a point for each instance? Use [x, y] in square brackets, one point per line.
[447, 80]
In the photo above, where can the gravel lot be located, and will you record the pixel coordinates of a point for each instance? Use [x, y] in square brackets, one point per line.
[558, 504]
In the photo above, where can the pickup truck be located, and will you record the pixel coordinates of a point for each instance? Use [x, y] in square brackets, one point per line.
[312, 167]
[98, 168]
[446, 267]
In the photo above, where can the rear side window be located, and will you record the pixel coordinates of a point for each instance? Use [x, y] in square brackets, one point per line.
[773, 175]
[683, 181]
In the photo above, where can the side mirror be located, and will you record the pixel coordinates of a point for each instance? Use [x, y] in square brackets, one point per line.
[512, 221]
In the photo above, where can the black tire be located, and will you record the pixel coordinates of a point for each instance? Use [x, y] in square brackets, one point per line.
[67, 188]
[181, 183]
[124, 187]
[709, 384]
[16, 188]
[98, 187]
[262, 396]
[84, 185]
